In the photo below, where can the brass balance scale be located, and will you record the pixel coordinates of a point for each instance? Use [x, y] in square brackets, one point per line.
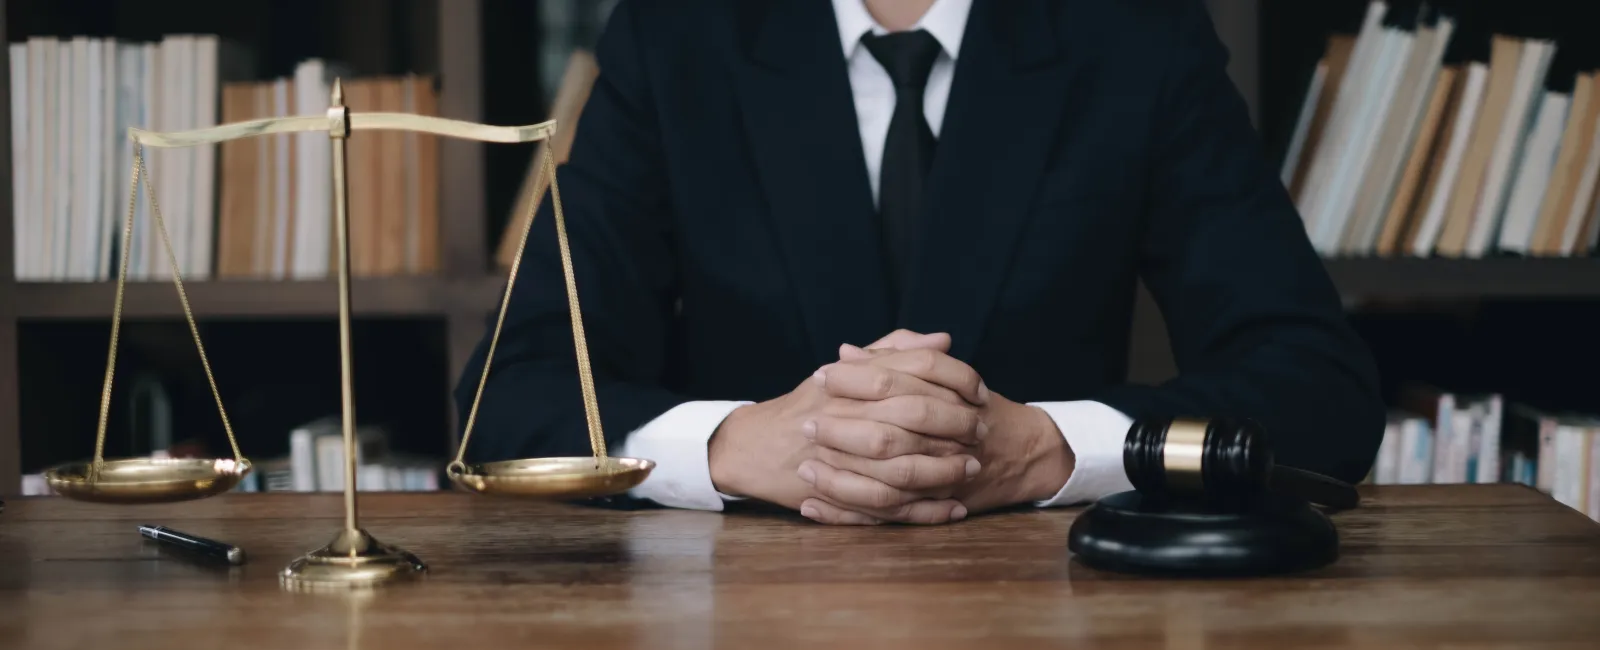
[354, 558]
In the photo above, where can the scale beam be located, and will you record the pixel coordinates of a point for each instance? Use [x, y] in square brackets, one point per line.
[439, 126]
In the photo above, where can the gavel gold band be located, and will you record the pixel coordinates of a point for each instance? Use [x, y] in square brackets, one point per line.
[1182, 453]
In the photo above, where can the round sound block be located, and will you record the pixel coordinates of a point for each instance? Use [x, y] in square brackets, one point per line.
[1128, 532]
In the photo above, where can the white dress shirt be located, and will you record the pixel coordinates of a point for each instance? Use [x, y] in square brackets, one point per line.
[677, 439]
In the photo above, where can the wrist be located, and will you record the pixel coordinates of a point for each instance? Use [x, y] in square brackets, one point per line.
[721, 451]
[1049, 460]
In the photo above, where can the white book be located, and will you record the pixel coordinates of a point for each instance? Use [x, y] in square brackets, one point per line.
[330, 462]
[313, 216]
[1444, 434]
[1592, 502]
[112, 201]
[1569, 484]
[69, 160]
[1302, 128]
[202, 223]
[182, 222]
[1532, 67]
[1533, 175]
[53, 168]
[1427, 57]
[129, 97]
[1416, 452]
[87, 224]
[1333, 211]
[1489, 460]
[20, 159]
[167, 165]
[1461, 136]
[41, 76]
[1327, 156]
[1386, 471]
[303, 459]
[151, 110]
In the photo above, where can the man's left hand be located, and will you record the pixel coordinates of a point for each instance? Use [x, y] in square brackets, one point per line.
[1023, 459]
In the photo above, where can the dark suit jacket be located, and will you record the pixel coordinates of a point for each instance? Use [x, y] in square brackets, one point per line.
[725, 241]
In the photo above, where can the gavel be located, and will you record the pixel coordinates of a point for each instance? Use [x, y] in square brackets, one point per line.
[1209, 498]
[1220, 461]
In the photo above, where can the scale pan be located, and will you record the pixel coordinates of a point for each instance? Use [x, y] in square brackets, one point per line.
[553, 478]
[147, 480]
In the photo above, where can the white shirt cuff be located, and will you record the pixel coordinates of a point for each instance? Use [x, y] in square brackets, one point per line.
[676, 441]
[1095, 433]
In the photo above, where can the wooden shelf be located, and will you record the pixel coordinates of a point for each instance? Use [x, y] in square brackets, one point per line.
[433, 296]
[1438, 278]
[396, 296]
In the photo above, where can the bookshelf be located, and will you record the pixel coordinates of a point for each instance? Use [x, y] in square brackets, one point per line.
[453, 39]
[442, 38]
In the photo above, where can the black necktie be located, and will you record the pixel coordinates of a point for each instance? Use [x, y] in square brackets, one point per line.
[908, 151]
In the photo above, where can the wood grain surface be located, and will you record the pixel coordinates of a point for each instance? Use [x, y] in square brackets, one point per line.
[1422, 566]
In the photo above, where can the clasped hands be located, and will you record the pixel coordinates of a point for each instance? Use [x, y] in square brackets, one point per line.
[898, 431]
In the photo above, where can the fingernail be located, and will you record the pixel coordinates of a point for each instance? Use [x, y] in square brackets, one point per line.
[851, 348]
[807, 474]
[958, 513]
[983, 429]
[808, 511]
[820, 376]
[983, 393]
[810, 429]
[973, 466]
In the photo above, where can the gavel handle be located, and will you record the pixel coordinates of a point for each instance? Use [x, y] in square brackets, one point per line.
[1316, 488]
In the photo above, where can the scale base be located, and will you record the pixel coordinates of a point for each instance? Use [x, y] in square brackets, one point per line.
[1128, 532]
[350, 561]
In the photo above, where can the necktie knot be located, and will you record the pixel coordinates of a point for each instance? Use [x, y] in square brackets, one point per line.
[907, 56]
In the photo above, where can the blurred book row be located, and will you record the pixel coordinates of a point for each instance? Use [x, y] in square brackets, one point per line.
[316, 463]
[1438, 132]
[258, 207]
[1435, 436]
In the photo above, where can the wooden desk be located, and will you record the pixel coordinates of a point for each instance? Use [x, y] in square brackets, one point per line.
[1463, 566]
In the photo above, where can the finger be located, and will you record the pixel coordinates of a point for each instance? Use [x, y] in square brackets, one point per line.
[826, 513]
[924, 512]
[877, 382]
[851, 489]
[938, 368]
[904, 339]
[872, 439]
[916, 473]
[919, 414]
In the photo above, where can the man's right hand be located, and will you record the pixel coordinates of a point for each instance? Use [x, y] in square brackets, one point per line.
[918, 429]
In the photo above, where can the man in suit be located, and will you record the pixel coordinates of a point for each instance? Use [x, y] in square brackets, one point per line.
[875, 260]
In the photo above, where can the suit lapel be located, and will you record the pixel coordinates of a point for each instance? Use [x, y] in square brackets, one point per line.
[800, 121]
[985, 172]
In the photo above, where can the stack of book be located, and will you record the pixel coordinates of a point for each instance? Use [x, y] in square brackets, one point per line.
[1436, 436]
[277, 194]
[1442, 132]
[259, 207]
[316, 463]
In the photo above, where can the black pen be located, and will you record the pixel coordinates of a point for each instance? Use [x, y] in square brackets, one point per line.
[194, 544]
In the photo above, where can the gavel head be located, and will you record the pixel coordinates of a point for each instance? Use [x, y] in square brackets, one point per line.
[1207, 459]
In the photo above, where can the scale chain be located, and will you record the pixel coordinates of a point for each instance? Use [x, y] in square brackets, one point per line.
[140, 173]
[591, 408]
